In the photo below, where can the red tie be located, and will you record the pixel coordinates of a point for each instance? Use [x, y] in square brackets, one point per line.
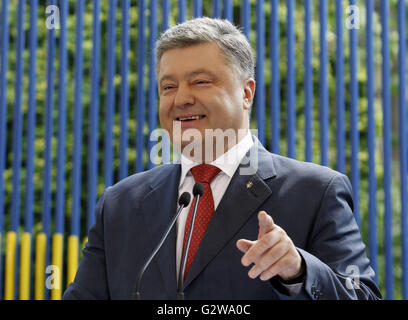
[203, 173]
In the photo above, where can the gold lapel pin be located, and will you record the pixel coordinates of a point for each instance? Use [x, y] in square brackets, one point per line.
[249, 184]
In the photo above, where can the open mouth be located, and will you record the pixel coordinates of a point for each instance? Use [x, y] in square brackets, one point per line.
[190, 118]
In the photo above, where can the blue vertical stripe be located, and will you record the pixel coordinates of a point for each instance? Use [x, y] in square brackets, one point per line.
[372, 179]
[18, 118]
[308, 83]
[216, 4]
[4, 40]
[110, 94]
[275, 74]
[403, 146]
[31, 121]
[182, 6]
[386, 101]
[323, 87]
[94, 116]
[141, 56]
[124, 91]
[47, 170]
[62, 118]
[152, 118]
[354, 130]
[18, 128]
[29, 194]
[76, 176]
[260, 72]
[340, 104]
[291, 80]
[197, 8]
[245, 17]
[229, 9]
[166, 14]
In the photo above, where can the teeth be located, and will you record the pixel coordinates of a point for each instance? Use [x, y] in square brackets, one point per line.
[191, 118]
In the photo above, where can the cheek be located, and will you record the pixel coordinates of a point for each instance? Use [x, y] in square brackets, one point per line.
[228, 108]
[164, 116]
[164, 107]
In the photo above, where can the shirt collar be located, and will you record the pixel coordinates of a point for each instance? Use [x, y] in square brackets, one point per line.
[227, 162]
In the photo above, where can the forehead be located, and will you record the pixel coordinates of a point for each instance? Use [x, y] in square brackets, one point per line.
[188, 59]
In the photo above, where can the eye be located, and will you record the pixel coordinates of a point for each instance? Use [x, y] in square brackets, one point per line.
[168, 87]
[202, 82]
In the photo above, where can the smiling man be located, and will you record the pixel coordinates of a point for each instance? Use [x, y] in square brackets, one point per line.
[200, 90]
[284, 230]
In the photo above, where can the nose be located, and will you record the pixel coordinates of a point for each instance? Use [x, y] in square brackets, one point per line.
[184, 96]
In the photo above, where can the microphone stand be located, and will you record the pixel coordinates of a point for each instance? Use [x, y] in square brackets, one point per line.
[184, 200]
[180, 293]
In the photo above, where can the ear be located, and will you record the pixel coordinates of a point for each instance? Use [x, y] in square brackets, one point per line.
[249, 93]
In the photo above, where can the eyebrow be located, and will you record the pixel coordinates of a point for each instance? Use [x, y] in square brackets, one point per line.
[190, 75]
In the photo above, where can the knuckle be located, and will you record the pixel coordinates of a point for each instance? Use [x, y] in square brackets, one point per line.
[266, 275]
[264, 263]
[283, 248]
[265, 241]
[250, 257]
[269, 238]
[282, 233]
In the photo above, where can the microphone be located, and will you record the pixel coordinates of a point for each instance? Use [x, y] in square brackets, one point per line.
[183, 202]
[198, 191]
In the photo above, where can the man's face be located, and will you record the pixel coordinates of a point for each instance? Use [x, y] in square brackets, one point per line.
[199, 90]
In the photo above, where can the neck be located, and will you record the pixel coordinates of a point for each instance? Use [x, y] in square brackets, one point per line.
[213, 146]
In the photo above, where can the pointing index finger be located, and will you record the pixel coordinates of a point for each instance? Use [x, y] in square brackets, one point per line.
[266, 223]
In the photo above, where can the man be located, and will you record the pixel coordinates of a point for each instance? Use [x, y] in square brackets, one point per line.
[267, 227]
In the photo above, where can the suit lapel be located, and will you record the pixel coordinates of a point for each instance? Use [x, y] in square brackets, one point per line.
[159, 207]
[245, 193]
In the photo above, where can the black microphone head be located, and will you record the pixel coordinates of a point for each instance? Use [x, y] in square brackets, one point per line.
[198, 189]
[184, 199]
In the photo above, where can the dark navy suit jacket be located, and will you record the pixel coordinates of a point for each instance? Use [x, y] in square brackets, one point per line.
[313, 204]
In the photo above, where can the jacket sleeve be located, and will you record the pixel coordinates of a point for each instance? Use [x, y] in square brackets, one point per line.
[337, 266]
[90, 280]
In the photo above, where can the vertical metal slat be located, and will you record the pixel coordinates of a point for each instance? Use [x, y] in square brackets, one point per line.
[260, 73]
[308, 82]
[354, 130]
[372, 178]
[323, 87]
[124, 91]
[141, 56]
[152, 117]
[291, 80]
[94, 116]
[403, 146]
[340, 106]
[3, 123]
[110, 94]
[386, 100]
[275, 74]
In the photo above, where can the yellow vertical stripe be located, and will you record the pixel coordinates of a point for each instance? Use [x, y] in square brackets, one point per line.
[57, 252]
[41, 245]
[25, 264]
[72, 266]
[11, 238]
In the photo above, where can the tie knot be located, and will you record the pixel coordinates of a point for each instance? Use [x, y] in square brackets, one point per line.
[204, 173]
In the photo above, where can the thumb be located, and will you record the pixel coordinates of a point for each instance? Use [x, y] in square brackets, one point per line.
[244, 245]
[266, 223]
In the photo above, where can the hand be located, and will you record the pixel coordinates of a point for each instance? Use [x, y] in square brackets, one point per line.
[273, 253]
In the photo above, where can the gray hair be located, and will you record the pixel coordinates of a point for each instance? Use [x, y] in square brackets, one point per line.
[232, 42]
